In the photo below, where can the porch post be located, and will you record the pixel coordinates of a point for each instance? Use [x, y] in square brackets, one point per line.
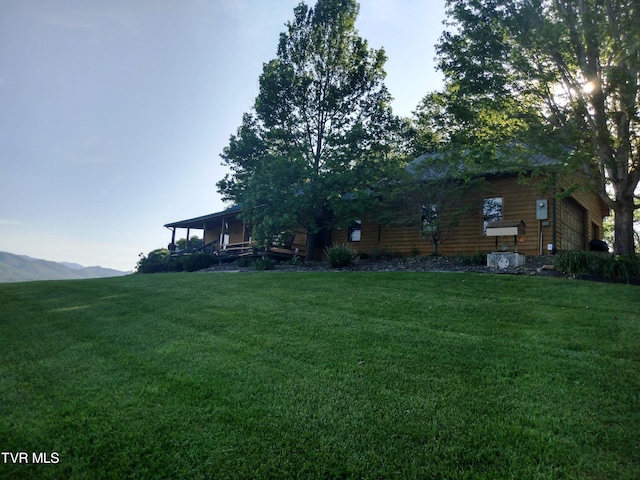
[204, 237]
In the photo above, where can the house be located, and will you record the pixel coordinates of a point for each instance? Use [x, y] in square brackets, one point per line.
[554, 218]
[227, 235]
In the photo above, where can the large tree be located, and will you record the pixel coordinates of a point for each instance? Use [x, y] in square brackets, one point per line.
[561, 75]
[320, 130]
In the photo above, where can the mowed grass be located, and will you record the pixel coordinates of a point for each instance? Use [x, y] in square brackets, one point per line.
[321, 375]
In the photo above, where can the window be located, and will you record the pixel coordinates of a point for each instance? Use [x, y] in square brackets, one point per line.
[491, 212]
[355, 231]
[428, 219]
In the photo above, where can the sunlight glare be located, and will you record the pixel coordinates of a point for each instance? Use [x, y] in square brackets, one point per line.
[589, 87]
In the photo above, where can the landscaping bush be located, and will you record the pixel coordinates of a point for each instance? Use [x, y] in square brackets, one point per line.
[295, 260]
[244, 262]
[156, 261]
[264, 263]
[478, 258]
[340, 256]
[615, 268]
[176, 264]
[199, 261]
[576, 262]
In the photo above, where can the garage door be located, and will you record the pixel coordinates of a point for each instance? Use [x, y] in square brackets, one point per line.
[573, 225]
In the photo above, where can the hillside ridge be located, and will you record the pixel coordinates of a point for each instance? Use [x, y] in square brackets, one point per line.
[22, 268]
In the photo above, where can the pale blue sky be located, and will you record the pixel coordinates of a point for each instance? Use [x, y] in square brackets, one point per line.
[114, 112]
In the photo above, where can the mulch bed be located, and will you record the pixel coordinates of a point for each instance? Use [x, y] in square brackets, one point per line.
[533, 266]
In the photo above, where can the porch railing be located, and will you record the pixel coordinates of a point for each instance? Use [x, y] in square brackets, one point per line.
[239, 248]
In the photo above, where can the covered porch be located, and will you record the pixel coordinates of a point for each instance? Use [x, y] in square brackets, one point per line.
[225, 234]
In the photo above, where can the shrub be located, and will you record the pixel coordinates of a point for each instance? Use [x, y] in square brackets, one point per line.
[340, 256]
[478, 258]
[620, 268]
[295, 260]
[198, 261]
[264, 263]
[576, 262]
[244, 262]
[176, 264]
[156, 261]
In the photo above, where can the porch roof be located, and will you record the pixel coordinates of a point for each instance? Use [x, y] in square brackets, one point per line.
[200, 222]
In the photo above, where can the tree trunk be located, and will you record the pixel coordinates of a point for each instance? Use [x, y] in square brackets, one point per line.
[623, 226]
[311, 241]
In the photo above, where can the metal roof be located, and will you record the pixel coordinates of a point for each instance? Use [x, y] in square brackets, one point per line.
[438, 166]
[200, 222]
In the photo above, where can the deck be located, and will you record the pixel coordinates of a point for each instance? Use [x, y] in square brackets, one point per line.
[233, 251]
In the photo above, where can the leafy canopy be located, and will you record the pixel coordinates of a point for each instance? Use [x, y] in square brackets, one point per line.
[562, 75]
[320, 130]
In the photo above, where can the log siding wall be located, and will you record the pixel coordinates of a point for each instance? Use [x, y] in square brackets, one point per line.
[519, 203]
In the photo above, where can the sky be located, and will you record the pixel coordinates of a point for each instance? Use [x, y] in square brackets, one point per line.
[113, 113]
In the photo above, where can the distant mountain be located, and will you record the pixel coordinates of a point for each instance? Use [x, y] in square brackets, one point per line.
[72, 266]
[20, 268]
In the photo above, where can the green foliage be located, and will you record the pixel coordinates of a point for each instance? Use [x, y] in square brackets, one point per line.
[160, 260]
[176, 264]
[295, 260]
[320, 129]
[430, 193]
[478, 258]
[199, 261]
[156, 261]
[615, 268]
[575, 262]
[431, 127]
[340, 256]
[321, 375]
[264, 263]
[194, 242]
[244, 262]
[561, 76]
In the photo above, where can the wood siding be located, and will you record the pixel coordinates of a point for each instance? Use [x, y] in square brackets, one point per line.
[519, 203]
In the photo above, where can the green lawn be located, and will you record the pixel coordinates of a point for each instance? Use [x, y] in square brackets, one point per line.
[321, 375]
